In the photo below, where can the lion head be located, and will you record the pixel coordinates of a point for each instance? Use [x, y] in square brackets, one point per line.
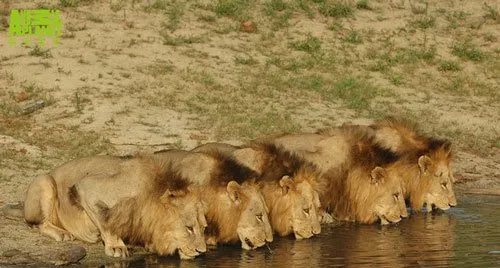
[177, 223]
[238, 212]
[285, 180]
[295, 208]
[378, 198]
[427, 177]
[253, 228]
[183, 224]
[435, 174]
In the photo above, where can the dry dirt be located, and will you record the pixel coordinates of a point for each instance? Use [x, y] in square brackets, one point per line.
[138, 76]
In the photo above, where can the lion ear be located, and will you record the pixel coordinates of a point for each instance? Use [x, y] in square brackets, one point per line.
[170, 195]
[286, 184]
[424, 162]
[202, 208]
[378, 175]
[447, 148]
[233, 189]
[167, 196]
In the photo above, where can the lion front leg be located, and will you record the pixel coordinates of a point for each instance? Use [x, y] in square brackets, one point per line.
[40, 208]
[113, 244]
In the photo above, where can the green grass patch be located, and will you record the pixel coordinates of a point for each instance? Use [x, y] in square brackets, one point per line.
[274, 6]
[467, 50]
[355, 92]
[449, 66]
[232, 8]
[181, 40]
[491, 13]
[336, 9]
[353, 37]
[157, 5]
[245, 60]
[310, 45]
[39, 52]
[424, 22]
[174, 14]
[158, 68]
[363, 4]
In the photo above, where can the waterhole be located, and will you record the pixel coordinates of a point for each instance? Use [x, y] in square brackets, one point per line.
[466, 236]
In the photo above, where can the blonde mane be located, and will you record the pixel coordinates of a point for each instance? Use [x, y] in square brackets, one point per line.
[143, 220]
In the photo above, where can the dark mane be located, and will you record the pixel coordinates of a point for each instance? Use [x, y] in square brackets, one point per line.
[364, 150]
[229, 169]
[280, 162]
[169, 179]
[435, 147]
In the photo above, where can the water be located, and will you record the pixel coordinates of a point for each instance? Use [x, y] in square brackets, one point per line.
[467, 236]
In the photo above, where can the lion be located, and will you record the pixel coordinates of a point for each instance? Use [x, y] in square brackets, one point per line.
[236, 210]
[354, 185]
[425, 177]
[285, 182]
[106, 198]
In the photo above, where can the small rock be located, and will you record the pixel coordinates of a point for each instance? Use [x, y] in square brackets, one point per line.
[22, 96]
[248, 26]
[30, 106]
[72, 255]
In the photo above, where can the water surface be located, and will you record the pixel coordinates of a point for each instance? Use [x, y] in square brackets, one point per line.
[467, 236]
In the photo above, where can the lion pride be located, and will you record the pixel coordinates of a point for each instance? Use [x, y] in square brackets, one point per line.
[285, 182]
[353, 186]
[106, 198]
[236, 210]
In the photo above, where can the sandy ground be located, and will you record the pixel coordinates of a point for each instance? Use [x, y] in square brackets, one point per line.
[127, 79]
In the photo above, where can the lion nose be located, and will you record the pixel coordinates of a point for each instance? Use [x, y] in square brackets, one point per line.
[249, 243]
[405, 214]
[199, 251]
[453, 204]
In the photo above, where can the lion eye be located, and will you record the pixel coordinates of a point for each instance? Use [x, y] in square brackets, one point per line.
[259, 217]
[306, 211]
[190, 229]
[444, 184]
[396, 196]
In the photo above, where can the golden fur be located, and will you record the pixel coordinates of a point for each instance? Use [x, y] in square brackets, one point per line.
[353, 185]
[140, 200]
[285, 182]
[236, 210]
[426, 168]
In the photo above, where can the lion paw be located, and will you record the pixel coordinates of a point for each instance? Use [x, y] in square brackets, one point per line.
[326, 218]
[55, 232]
[66, 236]
[116, 251]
